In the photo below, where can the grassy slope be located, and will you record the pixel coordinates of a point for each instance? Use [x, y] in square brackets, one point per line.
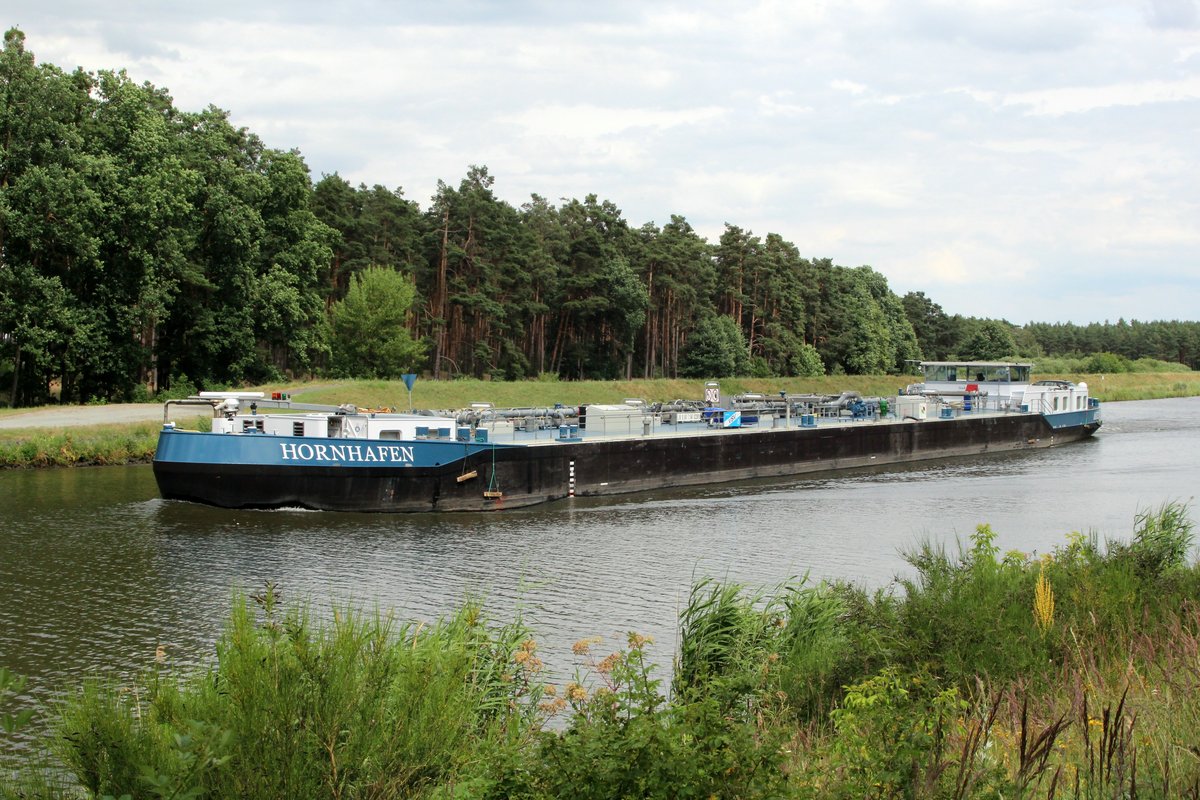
[459, 393]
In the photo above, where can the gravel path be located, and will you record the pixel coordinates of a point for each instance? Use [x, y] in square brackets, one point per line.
[75, 416]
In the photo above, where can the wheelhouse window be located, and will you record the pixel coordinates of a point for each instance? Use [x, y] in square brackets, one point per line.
[941, 372]
[978, 373]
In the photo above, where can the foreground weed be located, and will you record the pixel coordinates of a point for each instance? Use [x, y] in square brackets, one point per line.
[358, 707]
[1043, 601]
[891, 737]
[625, 739]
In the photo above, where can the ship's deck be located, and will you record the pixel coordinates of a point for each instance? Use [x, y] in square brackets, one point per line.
[659, 430]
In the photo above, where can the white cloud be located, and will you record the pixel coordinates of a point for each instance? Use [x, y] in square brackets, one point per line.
[1080, 99]
[873, 183]
[592, 122]
[853, 87]
[1173, 14]
[779, 106]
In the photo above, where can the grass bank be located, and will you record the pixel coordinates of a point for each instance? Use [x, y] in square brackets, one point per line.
[517, 394]
[986, 675]
[1139, 385]
[134, 443]
[459, 393]
[93, 445]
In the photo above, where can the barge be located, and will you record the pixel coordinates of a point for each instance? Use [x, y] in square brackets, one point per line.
[484, 459]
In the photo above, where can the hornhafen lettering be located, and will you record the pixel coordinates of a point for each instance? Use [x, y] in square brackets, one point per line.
[382, 454]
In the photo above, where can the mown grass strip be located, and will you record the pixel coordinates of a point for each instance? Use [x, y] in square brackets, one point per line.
[93, 445]
[516, 394]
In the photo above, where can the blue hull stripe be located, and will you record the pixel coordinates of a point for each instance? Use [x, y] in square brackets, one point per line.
[307, 451]
[1072, 419]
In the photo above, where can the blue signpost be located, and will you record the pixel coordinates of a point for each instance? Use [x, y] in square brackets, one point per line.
[409, 379]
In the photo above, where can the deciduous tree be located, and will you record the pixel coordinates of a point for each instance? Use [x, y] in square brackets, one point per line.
[370, 327]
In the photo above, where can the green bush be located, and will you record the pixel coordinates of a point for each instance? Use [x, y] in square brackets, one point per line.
[1146, 364]
[716, 349]
[625, 740]
[358, 708]
[892, 734]
[969, 615]
[1100, 363]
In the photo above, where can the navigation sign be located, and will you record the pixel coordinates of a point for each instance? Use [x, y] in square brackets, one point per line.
[712, 393]
[409, 379]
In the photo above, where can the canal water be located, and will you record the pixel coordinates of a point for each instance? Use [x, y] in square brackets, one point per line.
[97, 573]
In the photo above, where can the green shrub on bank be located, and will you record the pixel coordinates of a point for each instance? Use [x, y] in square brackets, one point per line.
[359, 708]
[985, 675]
[1104, 364]
[625, 740]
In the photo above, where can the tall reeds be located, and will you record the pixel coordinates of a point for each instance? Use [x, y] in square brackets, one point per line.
[948, 687]
[362, 707]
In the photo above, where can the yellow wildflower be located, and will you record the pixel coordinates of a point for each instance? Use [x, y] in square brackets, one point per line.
[582, 647]
[552, 706]
[636, 640]
[610, 661]
[1043, 601]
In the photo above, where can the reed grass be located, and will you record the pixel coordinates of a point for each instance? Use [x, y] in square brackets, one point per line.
[950, 685]
[962, 688]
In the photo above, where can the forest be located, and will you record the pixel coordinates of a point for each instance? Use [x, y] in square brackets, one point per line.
[146, 249]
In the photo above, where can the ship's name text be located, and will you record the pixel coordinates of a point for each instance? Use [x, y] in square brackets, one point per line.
[385, 454]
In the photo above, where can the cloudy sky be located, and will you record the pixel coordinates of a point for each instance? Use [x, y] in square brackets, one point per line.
[1037, 160]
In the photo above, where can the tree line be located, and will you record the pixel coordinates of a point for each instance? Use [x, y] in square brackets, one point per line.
[143, 247]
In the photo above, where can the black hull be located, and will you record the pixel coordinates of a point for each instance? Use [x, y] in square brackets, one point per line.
[543, 472]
